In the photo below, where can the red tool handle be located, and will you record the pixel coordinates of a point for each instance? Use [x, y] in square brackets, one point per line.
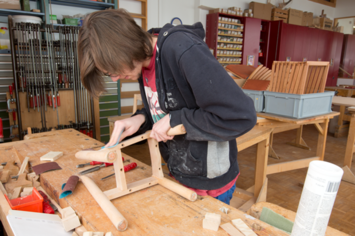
[54, 103]
[14, 116]
[108, 164]
[49, 100]
[1, 131]
[93, 163]
[47, 208]
[10, 90]
[130, 166]
[31, 101]
[60, 78]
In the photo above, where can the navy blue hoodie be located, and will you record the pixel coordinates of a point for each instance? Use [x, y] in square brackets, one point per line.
[197, 92]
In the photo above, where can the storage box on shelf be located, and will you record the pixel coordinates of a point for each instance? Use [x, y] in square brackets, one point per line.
[295, 17]
[225, 35]
[297, 89]
[279, 14]
[307, 19]
[260, 10]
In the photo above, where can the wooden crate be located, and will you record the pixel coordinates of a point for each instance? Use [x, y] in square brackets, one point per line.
[279, 14]
[299, 77]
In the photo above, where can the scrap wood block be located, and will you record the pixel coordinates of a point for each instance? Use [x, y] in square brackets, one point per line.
[212, 221]
[4, 176]
[89, 233]
[108, 234]
[231, 230]
[16, 192]
[71, 222]
[20, 182]
[242, 227]
[2, 189]
[51, 156]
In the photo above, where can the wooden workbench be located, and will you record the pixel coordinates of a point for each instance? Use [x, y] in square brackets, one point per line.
[152, 211]
[321, 123]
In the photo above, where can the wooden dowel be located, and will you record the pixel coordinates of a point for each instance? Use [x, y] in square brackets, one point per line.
[106, 205]
[177, 130]
[104, 155]
[177, 188]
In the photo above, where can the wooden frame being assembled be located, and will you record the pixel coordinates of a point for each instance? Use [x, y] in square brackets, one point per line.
[113, 155]
[298, 77]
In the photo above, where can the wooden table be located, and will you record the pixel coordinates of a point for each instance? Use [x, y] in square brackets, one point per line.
[348, 102]
[152, 211]
[342, 94]
[321, 123]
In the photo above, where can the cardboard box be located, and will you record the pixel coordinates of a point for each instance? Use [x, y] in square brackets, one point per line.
[10, 4]
[295, 17]
[307, 19]
[260, 10]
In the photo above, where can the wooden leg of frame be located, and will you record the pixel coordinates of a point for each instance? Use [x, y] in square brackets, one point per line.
[106, 205]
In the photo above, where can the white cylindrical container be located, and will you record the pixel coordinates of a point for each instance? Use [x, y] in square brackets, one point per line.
[24, 19]
[317, 199]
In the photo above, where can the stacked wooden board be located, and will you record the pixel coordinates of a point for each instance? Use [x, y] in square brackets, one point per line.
[299, 77]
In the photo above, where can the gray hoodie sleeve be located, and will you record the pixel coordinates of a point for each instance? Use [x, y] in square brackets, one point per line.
[224, 112]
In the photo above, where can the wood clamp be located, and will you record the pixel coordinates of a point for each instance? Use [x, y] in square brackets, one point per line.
[113, 155]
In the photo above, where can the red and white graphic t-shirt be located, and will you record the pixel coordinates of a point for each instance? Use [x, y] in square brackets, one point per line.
[148, 75]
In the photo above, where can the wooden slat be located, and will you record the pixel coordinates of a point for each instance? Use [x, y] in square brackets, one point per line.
[255, 71]
[298, 78]
[266, 76]
[279, 77]
[295, 77]
[284, 76]
[273, 77]
[309, 79]
[319, 79]
[313, 87]
[303, 80]
[324, 79]
[290, 78]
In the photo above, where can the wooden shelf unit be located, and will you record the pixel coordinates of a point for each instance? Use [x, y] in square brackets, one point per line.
[250, 31]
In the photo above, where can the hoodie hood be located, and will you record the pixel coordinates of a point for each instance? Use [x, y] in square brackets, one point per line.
[196, 29]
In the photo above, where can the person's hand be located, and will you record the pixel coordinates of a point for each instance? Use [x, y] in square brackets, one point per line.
[160, 129]
[130, 126]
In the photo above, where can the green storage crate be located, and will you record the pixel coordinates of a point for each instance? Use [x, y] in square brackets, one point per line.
[70, 21]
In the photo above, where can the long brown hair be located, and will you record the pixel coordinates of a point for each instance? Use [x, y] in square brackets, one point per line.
[110, 40]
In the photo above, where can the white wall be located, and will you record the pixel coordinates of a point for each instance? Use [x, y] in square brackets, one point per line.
[348, 25]
[344, 8]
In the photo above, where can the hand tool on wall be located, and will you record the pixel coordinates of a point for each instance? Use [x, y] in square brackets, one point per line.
[95, 168]
[126, 168]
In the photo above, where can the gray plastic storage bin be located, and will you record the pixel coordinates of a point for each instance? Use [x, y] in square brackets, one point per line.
[298, 106]
[258, 98]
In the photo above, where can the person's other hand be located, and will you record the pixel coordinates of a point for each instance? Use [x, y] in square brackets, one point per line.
[130, 126]
[160, 129]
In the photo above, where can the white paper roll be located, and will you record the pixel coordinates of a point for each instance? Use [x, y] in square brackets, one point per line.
[317, 200]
